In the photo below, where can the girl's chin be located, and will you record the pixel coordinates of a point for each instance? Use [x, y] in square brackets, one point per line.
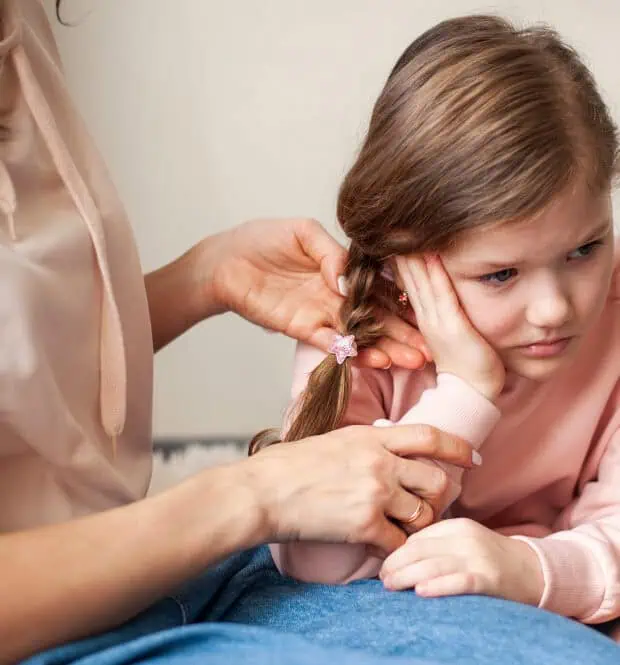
[535, 369]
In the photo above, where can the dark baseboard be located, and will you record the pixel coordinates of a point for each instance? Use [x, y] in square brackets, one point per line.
[167, 446]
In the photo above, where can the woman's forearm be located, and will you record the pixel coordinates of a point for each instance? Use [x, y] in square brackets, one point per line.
[71, 580]
[180, 294]
[64, 582]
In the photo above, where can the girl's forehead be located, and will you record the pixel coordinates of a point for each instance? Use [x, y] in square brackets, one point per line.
[572, 220]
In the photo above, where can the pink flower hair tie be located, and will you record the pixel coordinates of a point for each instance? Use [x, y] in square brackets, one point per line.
[343, 347]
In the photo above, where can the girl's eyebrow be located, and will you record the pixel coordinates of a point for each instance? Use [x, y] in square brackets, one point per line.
[600, 230]
[493, 266]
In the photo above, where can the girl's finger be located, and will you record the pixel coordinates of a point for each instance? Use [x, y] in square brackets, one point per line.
[419, 572]
[443, 291]
[456, 584]
[419, 271]
[411, 287]
[413, 552]
[447, 528]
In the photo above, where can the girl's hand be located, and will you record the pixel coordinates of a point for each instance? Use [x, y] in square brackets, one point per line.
[283, 274]
[460, 556]
[456, 346]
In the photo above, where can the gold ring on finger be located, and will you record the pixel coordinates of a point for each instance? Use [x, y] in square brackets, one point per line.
[415, 514]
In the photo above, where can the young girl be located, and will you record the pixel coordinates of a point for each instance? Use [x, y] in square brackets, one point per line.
[483, 186]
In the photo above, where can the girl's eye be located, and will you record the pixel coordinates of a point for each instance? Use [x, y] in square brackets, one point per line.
[499, 277]
[584, 250]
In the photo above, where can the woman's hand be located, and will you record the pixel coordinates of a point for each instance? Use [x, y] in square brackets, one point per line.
[460, 556]
[283, 276]
[354, 484]
[456, 346]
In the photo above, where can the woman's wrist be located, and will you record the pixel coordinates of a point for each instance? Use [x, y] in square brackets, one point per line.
[202, 261]
[183, 293]
[215, 513]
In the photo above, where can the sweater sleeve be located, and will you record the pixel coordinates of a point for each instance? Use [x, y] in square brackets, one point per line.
[453, 406]
[581, 559]
[468, 415]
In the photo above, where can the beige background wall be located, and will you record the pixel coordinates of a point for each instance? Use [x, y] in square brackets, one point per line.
[211, 112]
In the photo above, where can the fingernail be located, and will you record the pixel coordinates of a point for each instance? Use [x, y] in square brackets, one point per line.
[388, 365]
[476, 458]
[386, 571]
[426, 351]
[342, 286]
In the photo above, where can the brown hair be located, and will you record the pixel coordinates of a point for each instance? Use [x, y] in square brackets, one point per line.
[58, 16]
[478, 123]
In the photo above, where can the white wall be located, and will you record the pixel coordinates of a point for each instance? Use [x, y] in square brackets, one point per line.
[211, 112]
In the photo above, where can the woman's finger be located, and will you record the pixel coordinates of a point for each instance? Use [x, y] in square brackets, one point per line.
[409, 576]
[402, 346]
[424, 479]
[403, 332]
[322, 338]
[428, 442]
[397, 354]
[384, 538]
[410, 511]
[374, 358]
[319, 245]
[317, 325]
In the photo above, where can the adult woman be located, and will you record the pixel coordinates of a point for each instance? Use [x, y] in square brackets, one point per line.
[79, 324]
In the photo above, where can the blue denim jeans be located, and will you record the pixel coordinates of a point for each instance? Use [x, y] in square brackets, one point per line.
[243, 610]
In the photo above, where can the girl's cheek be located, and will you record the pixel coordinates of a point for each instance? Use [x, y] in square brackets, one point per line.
[494, 317]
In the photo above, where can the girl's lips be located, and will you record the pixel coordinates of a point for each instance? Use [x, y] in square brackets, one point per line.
[546, 349]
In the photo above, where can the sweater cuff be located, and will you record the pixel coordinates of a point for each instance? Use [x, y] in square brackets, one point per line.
[574, 580]
[455, 408]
